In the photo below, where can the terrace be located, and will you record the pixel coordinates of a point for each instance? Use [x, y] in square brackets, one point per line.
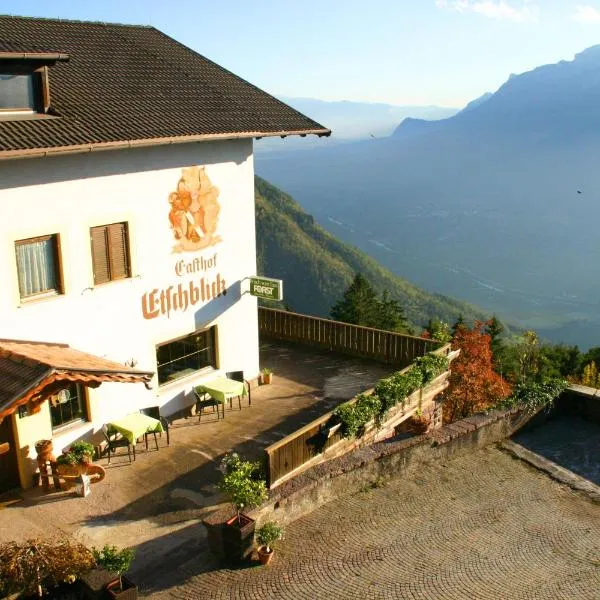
[156, 503]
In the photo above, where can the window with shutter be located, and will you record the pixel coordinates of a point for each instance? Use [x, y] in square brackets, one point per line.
[110, 252]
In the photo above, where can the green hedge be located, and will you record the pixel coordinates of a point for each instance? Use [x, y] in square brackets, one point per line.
[388, 392]
[533, 394]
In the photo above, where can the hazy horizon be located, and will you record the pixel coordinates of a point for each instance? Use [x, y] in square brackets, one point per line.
[401, 52]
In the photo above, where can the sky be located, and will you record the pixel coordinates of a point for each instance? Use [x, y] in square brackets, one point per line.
[406, 52]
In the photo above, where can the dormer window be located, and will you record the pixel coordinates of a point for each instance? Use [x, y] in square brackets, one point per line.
[24, 89]
[18, 92]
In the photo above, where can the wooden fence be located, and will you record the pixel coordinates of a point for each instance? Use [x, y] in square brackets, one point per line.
[388, 347]
[302, 448]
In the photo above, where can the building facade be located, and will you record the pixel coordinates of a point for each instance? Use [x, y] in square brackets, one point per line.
[138, 254]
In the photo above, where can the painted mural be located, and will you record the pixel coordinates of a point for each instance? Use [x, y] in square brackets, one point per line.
[194, 213]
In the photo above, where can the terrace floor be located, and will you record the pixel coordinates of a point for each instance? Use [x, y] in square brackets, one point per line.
[482, 526]
[156, 503]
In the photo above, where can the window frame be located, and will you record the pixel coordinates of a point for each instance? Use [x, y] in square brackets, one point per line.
[84, 407]
[212, 347]
[52, 292]
[107, 249]
[40, 88]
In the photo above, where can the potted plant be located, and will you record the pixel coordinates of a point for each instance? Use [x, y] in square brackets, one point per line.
[44, 449]
[266, 536]
[83, 452]
[267, 376]
[110, 558]
[75, 460]
[420, 423]
[244, 487]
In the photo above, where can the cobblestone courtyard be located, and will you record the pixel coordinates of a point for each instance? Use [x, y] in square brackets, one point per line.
[482, 526]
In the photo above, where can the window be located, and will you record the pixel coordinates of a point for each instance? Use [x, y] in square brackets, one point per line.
[68, 406]
[186, 355]
[38, 266]
[110, 252]
[18, 92]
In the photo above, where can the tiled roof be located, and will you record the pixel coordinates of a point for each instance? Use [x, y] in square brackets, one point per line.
[130, 85]
[8, 46]
[30, 371]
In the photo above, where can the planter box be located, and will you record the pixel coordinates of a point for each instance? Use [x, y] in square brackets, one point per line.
[124, 589]
[92, 585]
[238, 540]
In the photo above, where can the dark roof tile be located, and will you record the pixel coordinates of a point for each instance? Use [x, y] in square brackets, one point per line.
[130, 83]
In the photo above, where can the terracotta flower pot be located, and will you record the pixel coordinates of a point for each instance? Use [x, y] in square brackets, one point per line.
[122, 589]
[263, 556]
[44, 449]
[267, 379]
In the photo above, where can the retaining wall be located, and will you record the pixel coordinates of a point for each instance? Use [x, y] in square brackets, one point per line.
[370, 465]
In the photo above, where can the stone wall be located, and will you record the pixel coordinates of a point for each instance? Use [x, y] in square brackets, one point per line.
[374, 464]
[581, 401]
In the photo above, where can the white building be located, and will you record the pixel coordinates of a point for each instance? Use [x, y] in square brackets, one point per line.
[127, 198]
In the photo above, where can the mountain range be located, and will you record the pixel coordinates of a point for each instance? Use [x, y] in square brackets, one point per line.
[497, 205]
[317, 268]
[349, 121]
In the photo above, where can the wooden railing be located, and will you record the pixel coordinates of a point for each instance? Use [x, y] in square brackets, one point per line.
[302, 448]
[298, 448]
[392, 348]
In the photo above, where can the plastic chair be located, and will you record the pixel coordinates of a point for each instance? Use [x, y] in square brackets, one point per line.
[113, 444]
[204, 400]
[154, 412]
[239, 376]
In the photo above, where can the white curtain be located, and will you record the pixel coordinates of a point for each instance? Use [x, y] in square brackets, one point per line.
[37, 269]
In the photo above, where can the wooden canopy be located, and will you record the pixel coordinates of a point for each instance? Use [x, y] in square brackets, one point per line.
[31, 372]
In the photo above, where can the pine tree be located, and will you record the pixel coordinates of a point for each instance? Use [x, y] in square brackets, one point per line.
[495, 329]
[460, 322]
[391, 316]
[359, 305]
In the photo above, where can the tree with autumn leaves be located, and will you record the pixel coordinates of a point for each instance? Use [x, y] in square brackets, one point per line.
[474, 384]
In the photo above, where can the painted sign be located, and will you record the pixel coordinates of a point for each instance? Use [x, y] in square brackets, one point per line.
[266, 288]
[183, 295]
[194, 213]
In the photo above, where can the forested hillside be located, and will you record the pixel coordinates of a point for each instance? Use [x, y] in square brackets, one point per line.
[317, 267]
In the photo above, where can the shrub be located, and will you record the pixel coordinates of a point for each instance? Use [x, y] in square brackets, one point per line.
[431, 365]
[241, 483]
[112, 559]
[36, 565]
[79, 452]
[268, 534]
[355, 416]
[388, 392]
[533, 394]
[83, 451]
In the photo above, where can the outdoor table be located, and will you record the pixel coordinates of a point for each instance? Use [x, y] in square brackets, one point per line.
[135, 426]
[222, 389]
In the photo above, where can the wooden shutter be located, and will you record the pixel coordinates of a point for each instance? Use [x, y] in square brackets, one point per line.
[110, 252]
[118, 251]
[100, 255]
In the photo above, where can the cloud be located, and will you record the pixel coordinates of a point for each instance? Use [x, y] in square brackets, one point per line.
[527, 11]
[584, 13]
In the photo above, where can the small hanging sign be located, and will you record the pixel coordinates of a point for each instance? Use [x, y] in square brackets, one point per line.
[266, 288]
